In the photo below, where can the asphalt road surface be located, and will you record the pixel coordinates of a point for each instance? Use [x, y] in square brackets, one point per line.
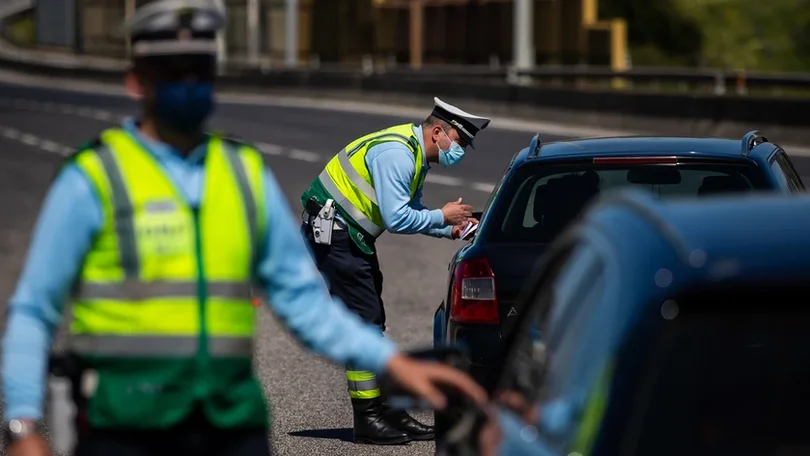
[311, 412]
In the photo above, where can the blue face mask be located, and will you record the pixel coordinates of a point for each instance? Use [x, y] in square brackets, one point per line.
[451, 156]
[184, 106]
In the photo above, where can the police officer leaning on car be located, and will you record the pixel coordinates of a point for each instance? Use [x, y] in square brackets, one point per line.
[375, 184]
[157, 232]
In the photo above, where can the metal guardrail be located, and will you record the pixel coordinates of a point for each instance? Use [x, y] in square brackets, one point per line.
[9, 7]
[715, 81]
[687, 101]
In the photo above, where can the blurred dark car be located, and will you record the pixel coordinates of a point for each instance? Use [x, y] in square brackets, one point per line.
[668, 328]
[545, 187]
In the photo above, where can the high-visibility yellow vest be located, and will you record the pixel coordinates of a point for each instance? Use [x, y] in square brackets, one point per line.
[347, 178]
[162, 311]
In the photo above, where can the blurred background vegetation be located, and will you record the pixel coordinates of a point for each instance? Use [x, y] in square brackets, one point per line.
[744, 35]
[752, 35]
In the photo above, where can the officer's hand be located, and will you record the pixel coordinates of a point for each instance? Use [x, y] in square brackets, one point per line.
[32, 445]
[458, 229]
[490, 436]
[456, 213]
[518, 403]
[421, 378]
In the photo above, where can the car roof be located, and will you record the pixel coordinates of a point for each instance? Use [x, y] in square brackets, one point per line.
[634, 146]
[760, 233]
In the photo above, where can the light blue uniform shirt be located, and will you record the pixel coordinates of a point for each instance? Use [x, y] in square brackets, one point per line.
[71, 217]
[558, 422]
[392, 166]
[518, 438]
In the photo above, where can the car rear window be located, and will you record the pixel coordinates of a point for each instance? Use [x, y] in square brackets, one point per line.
[539, 201]
[727, 374]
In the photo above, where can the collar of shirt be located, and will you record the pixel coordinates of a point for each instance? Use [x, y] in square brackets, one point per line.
[162, 151]
[417, 130]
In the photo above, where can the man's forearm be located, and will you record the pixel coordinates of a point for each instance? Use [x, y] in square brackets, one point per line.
[25, 362]
[444, 233]
[407, 220]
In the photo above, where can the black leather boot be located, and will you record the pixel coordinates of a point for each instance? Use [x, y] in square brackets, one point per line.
[371, 427]
[404, 422]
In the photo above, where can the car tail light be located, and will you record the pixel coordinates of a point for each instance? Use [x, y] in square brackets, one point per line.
[473, 298]
[636, 160]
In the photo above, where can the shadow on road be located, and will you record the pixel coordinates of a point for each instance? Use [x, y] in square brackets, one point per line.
[343, 434]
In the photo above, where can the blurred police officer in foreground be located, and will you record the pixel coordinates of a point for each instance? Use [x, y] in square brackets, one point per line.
[375, 184]
[156, 231]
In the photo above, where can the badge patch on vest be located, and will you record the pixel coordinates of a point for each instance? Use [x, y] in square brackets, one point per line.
[163, 229]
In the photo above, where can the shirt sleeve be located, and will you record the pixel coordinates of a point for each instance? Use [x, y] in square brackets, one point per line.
[68, 222]
[518, 438]
[298, 295]
[444, 232]
[392, 168]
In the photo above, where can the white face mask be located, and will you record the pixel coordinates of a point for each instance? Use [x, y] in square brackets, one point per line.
[451, 156]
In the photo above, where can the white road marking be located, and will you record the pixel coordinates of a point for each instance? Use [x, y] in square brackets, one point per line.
[30, 140]
[443, 180]
[109, 116]
[303, 155]
[35, 141]
[483, 186]
[11, 133]
[50, 146]
[269, 149]
[103, 115]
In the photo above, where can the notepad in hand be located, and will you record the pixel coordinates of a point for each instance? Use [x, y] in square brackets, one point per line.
[468, 231]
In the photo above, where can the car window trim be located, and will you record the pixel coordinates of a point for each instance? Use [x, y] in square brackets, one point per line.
[789, 170]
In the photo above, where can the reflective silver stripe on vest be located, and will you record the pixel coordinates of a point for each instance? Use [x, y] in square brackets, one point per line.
[347, 205]
[232, 155]
[158, 346]
[122, 212]
[355, 177]
[133, 290]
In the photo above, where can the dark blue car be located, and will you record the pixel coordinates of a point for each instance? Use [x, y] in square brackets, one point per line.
[666, 329]
[545, 187]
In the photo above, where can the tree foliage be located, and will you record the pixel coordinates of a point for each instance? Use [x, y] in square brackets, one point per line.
[764, 35]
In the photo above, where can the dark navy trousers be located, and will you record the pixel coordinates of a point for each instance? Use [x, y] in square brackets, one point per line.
[352, 275]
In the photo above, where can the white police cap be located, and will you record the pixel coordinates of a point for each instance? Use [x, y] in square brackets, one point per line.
[176, 27]
[467, 125]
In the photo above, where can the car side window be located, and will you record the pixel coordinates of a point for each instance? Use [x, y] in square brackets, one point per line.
[578, 289]
[790, 171]
[553, 308]
[527, 361]
[786, 173]
[576, 339]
